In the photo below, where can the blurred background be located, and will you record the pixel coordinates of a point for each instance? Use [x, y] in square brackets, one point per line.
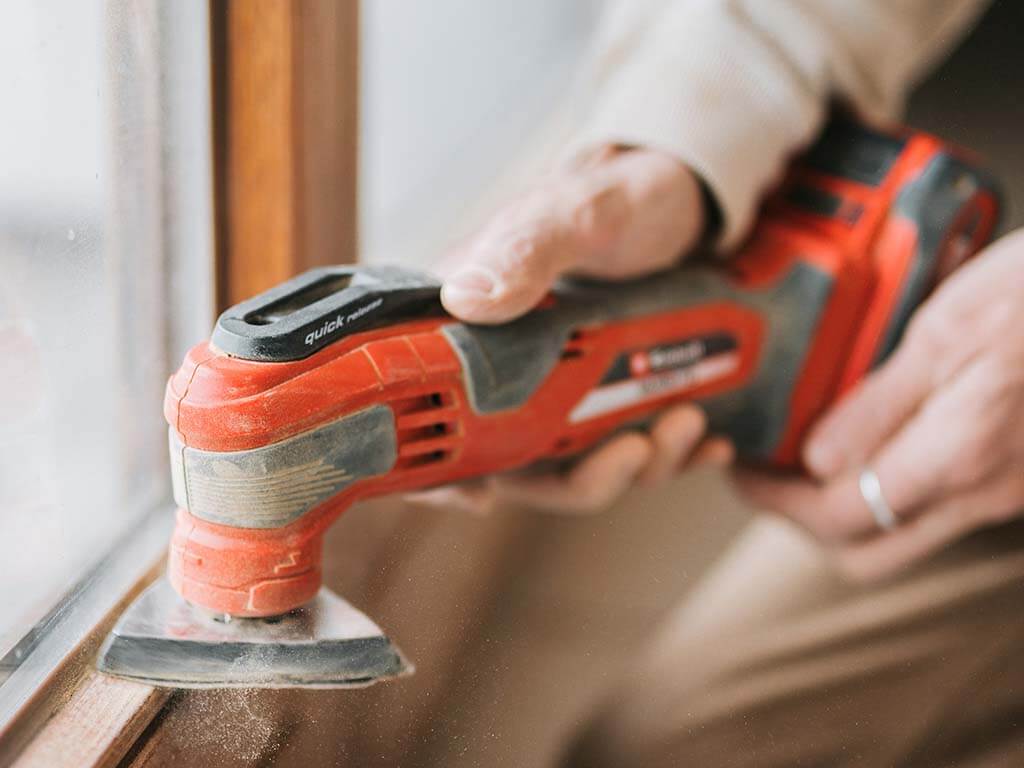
[517, 623]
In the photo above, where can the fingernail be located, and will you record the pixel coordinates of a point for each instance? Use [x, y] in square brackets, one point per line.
[474, 282]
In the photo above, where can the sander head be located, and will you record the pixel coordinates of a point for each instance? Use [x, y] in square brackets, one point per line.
[163, 640]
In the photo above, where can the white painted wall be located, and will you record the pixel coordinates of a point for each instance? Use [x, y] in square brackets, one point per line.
[452, 90]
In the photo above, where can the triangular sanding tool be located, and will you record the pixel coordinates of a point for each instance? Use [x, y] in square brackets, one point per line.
[165, 641]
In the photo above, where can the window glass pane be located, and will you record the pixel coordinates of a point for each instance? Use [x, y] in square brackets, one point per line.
[84, 337]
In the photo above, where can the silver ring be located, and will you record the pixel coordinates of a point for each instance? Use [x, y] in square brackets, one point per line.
[871, 490]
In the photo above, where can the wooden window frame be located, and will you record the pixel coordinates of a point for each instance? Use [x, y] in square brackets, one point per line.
[285, 139]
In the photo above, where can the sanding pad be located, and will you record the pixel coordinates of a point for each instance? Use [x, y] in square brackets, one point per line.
[163, 640]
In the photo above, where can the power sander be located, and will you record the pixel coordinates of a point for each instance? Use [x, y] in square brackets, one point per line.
[350, 382]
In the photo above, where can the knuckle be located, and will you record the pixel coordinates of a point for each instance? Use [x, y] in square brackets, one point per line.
[928, 328]
[970, 469]
[515, 240]
[522, 258]
[935, 336]
[598, 216]
[521, 250]
[974, 456]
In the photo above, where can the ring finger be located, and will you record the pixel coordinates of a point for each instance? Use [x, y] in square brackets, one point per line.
[932, 529]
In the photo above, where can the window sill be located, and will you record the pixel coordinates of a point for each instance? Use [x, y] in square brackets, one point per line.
[43, 700]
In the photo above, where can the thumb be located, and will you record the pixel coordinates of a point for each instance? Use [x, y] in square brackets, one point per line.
[626, 214]
[508, 266]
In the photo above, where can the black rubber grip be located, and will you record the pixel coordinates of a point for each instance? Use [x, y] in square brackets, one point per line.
[302, 315]
[854, 152]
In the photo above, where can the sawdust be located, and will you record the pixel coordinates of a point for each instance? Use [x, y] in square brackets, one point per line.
[238, 724]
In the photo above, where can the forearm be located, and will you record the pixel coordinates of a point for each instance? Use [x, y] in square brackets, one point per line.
[733, 87]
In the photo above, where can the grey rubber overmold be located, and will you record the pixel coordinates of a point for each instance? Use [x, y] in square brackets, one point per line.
[271, 486]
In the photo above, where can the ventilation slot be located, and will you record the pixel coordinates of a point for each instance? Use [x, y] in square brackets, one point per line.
[428, 429]
[576, 347]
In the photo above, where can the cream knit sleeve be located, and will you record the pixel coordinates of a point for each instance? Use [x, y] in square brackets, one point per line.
[732, 87]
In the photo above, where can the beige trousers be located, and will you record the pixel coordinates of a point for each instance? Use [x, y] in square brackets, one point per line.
[775, 662]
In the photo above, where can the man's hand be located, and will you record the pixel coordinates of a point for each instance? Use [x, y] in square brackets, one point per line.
[941, 423]
[616, 215]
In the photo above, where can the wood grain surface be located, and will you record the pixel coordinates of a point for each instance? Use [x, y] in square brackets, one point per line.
[285, 139]
[96, 727]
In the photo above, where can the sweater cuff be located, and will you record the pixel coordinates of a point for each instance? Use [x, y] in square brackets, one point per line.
[733, 119]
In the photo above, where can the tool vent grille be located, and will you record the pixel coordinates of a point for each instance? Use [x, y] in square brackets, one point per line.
[576, 345]
[428, 429]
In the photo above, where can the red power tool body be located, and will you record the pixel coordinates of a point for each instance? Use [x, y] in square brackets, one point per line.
[350, 382]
